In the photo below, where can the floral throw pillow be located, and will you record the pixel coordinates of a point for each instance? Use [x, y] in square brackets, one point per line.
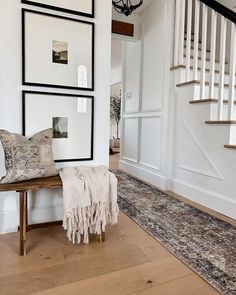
[27, 158]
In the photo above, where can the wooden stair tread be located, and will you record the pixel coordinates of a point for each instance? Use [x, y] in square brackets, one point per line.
[230, 146]
[199, 82]
[208, 100]
[219, 122]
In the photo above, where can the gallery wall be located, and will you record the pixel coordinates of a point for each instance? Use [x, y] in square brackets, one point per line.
[47, 205]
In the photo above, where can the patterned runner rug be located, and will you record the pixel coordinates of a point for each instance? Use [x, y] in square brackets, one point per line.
[206, 244]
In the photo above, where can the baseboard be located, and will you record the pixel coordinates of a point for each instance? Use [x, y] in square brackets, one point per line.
[9, 220]
[144, 174]
[206, 198]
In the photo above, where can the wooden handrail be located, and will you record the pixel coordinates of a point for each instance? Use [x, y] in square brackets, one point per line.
[221, 9]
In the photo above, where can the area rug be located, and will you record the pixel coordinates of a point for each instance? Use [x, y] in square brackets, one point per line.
[204, 243]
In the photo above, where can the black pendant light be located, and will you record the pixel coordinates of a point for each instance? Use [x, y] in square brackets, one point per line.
[125, 6]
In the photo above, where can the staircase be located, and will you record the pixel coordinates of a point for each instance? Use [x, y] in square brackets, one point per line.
[205, 64]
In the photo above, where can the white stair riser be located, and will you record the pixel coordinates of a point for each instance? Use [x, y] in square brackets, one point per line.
[210, 110]
[191, 77]
[206, 111]
[214, 110]
[225, 132]
[196, 92]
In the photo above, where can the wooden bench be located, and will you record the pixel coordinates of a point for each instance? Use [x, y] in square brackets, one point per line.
[22, 188]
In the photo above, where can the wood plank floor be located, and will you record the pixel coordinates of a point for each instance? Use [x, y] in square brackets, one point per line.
[129, 262]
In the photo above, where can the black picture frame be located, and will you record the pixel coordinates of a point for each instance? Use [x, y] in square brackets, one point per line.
[25, 92]
[61, 9]
[24, 58]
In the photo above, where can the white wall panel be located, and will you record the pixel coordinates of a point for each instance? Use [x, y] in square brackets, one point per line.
[130, 139]
[154, 31]
[132, 76]
[201, 161]
[146, 75]
[151, 134]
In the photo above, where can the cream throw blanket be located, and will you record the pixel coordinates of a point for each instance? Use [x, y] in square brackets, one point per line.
[90, 201]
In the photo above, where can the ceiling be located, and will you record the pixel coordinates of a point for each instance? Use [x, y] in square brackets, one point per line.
[146, 3]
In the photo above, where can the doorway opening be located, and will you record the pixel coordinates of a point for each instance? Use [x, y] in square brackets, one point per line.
[115, 103]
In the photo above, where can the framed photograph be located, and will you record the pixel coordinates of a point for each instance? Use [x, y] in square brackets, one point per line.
[81, 7]
[57, 51]
[71, 117]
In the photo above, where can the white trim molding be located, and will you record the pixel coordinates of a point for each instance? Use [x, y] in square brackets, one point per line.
[216, 173]
[145, 174]
[206, 198]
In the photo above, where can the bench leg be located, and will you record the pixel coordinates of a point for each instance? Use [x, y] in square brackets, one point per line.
[102, 236]
[23, 222]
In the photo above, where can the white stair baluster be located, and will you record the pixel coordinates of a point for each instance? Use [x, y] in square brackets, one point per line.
[232, 72]
[181, 37]
[177, 30]
[196, 39]
[189, 37]
[203, 50]
[213, 53]
[222, 67]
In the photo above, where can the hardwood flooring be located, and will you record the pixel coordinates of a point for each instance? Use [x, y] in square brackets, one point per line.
[129, 262]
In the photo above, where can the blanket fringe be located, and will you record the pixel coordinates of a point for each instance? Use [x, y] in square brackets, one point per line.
[92, 219]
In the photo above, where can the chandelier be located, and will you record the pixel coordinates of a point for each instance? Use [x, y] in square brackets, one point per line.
[125, 6]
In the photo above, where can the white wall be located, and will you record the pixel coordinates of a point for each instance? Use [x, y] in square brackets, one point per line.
[229, 3]
[116, 62]
[146, 88]
[47, 206]
[116, 75]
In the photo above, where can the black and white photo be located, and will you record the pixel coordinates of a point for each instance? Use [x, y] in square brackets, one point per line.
[59, 52]
[60, 127]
